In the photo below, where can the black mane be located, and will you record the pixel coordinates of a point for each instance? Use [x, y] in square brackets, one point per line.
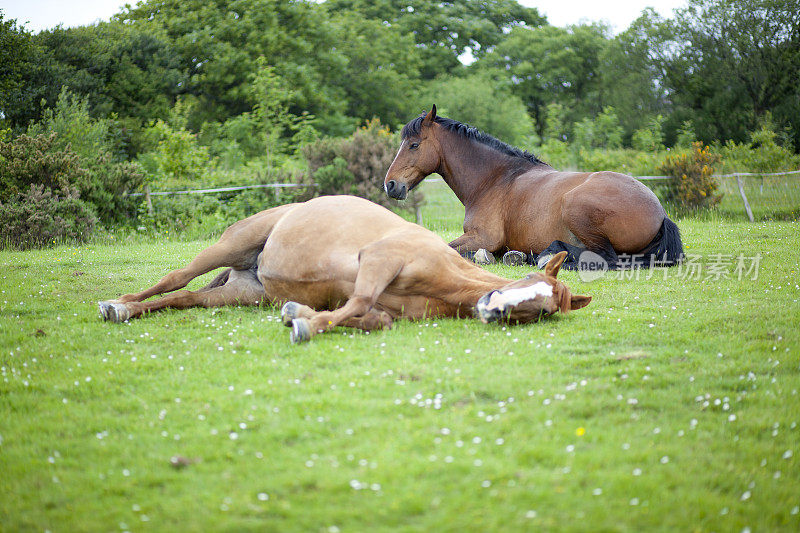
[473, 134]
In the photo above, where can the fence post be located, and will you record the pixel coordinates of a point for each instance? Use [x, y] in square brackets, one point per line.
[744, 198]
[148, 200]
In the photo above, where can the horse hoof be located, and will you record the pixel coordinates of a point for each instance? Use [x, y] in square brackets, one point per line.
[483, 257]
[113, 311]
[542, 260]
[301, 330]
[513, 258]
[289, 312]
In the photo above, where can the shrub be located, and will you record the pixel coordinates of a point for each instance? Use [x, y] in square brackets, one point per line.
[43, 160]
[177, 159]
[40, 218]
[761, 154]
[693, 184]
[109, 182]
[29, 160]
[74, 127]
[604, 131]
[651, 137]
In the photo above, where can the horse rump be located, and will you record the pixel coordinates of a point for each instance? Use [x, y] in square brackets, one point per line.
[666, 248]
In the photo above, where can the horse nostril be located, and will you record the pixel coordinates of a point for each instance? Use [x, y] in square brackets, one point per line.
[390, 186]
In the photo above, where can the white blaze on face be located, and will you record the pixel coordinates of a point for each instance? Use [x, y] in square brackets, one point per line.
[512, 297]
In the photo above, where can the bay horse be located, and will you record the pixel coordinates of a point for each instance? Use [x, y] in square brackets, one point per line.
[343, 260]
[518, 204]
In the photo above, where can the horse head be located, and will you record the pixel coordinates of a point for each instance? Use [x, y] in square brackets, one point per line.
[534, 296]
[418, 156]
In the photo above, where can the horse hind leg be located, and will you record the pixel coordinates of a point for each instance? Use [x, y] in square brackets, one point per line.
[241, 288]
[238, 247]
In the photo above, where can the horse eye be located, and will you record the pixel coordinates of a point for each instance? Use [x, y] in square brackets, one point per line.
[414, 146]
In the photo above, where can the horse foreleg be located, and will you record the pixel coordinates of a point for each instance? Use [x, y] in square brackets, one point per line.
[475, 248]
[241, 288]
[371, 320]
[378, 266]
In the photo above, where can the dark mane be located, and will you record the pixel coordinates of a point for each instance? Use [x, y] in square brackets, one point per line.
[473, 134]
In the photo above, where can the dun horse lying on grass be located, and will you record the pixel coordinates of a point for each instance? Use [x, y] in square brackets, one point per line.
[357, 263]
[517, 204]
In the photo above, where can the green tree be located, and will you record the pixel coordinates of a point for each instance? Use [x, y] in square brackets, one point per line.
[631, 81]
[445, 30]
[549, 64]
[649, 138]
[725, 63]
[480, 102]
[219, 43]
[23, 74]
[381, 71]
[130, 71]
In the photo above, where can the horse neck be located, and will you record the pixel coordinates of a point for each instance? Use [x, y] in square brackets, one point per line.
[467, 282]
[471, 168]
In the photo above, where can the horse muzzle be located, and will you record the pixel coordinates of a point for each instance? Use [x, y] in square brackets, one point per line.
[485, 313]
[395, 190]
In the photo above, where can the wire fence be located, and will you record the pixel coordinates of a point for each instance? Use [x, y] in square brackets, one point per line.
[759, 194]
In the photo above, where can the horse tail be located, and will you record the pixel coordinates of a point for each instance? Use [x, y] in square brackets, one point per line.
[666, 248]
[219, 281]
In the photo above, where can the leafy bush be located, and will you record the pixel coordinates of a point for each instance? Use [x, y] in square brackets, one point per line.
[693, 184]
[604, 131]
[202, 216]
[29, 160]
[356, 164]
[69, 119]
[335, 178]
[761, 154]
[107, 187]
[177, 159]
[44, 160]
[67, 131]
[626, 161]
[40, 218]
[651, 137]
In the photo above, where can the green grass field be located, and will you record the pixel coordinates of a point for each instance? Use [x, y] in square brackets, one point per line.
[669, 403]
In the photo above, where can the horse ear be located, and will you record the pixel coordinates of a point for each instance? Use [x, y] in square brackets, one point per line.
[430, 116]
[577, 301]
[554, 265]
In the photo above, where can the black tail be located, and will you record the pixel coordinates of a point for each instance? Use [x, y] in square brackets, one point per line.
[666, 248]
[219, 281]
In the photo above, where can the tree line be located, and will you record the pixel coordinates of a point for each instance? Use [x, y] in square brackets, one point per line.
[717, 67]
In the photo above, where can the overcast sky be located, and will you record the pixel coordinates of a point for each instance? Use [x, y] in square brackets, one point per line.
[41, 14]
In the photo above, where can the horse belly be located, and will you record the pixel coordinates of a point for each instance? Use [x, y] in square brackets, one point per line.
[533, 222]
[319, 295]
